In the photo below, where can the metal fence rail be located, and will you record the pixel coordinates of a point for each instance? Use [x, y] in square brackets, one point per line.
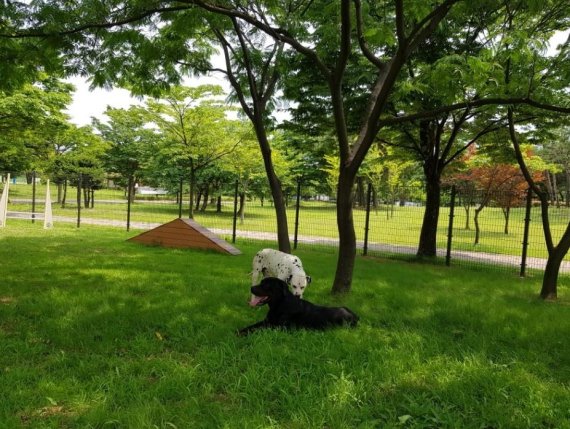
[387, 225]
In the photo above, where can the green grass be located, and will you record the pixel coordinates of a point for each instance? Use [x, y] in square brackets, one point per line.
[98, 332]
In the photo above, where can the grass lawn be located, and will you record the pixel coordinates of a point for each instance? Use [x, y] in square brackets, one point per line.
[98, 332]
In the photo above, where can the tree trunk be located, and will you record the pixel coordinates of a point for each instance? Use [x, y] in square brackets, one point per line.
[467, 217]
[360, 194]
[86, 197]
[198, 199]
[429, 143]
[206, 196]
[567, 171]
[555, 257]
[64, 196]
[548, 183]
[59, 192]
[241, 211]
[428, 236]
[507, 215]
[191, 191]
[550, 280]
[555, 190]
[275, 186]
[476, 221]
[219, 204]
[346, 235]
[131, 190]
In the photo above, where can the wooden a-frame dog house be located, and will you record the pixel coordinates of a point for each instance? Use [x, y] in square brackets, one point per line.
[185, 233]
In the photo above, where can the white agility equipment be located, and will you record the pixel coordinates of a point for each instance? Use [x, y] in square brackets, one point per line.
[4, 213]
[4, 202]
[48, 218]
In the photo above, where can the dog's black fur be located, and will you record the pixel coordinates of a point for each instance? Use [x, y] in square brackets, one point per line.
[289, 311]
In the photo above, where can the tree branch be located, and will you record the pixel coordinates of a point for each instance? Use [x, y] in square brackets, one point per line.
[456, 128]
[427, 25]
[94, 25]
[361, 41]
[469, 104]
[246, 62]
[489, 128]
[345, 30]
[270, 88]
[231, 77]
[400, 30]
[276, 33]
[335, 83]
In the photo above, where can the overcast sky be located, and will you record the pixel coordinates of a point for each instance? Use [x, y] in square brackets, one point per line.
[87, 104]
[93, 103]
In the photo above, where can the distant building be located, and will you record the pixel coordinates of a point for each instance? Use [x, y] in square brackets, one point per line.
[147, 190]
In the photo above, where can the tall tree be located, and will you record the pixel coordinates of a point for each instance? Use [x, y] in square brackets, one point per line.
[30, 117]
[556, 252]
[131, 144]
[515, 52]
[195, 128]
[252, 62]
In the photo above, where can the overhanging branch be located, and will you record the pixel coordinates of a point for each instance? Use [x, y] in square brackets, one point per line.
[94, 25]
[430, 114]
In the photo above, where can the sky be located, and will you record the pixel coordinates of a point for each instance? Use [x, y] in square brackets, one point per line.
[93, 103]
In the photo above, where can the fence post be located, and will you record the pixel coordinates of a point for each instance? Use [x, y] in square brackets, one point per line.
[526, 231]
[450, 227]
[297, 213]
[180, 198]
[235, 213]
[367, 222]
[33, 196]
[129, 194]
[79, 179]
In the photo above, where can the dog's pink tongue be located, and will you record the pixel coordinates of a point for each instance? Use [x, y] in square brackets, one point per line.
[255, 300]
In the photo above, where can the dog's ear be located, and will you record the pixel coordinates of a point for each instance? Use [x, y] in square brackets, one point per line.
[309, 279]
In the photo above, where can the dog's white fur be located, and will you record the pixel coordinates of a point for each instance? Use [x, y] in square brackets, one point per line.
[273, 263]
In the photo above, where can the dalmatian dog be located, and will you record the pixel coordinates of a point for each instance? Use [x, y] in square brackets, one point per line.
[273, 263]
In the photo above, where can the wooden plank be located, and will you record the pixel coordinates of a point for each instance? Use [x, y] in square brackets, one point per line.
[178, 239]
[177, 243]
[169, 233]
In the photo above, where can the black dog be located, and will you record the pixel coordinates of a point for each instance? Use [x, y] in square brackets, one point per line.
[289, 311]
